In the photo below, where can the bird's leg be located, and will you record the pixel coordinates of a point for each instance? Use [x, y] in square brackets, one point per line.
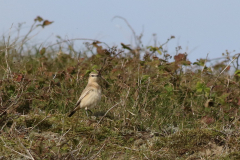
[86, 112]
[90, 111]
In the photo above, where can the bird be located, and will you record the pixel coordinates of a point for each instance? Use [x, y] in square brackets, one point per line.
[90, 96]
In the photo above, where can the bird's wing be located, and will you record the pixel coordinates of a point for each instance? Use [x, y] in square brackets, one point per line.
[84, 94]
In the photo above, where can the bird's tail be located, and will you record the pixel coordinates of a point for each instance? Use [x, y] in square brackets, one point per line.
[70, 115]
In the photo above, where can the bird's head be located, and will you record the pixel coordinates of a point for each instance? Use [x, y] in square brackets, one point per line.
[93, 77]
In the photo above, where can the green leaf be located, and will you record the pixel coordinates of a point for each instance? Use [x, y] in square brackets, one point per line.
[145, 77]
[169, 88]
[200, 62]
[201, 87]
[70, 47]
[159, 52]
[207, 110]
[223, 97]
[59, 37]
[126, 46]
[237, 73]
[151, 48]
[43, 50]
[88, 71]
[38, 18]
[94, 67]
[196, 63]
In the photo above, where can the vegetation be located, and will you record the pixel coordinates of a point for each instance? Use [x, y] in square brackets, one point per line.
[154, 106]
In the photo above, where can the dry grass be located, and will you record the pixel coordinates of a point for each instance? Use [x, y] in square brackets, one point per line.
[155, 107]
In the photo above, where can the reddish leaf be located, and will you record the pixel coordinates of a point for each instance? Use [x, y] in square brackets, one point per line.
[19, 78]
[207, 120]
[180, 57]
[71, 70]
[114, 70]
[95, 43]
[228, 68]
[46, 22]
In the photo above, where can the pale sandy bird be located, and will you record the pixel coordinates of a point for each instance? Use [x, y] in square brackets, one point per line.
[90, 96]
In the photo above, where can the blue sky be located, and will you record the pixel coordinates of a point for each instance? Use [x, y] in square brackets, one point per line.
[200, 27]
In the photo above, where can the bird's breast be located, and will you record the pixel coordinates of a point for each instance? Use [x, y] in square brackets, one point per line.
[91, 100]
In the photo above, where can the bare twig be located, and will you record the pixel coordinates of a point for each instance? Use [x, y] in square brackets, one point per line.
[63, 136]
[14, 102]
[134, 34]
[145, 156]
[76, 39]
[161, 45]
[38, 123]
[79, 147]
[106, 113]
[6, 44]
[97, 152]
[28, 152]
[105, 64]
[26, 38]
[225, 68]
[204, 65]
[5, 124]
[220, 74]
[226, 57]
[145, 99]
[5, 145]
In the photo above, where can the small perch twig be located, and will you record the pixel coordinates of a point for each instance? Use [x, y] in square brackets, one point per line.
[221, 73]
[106, 113]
